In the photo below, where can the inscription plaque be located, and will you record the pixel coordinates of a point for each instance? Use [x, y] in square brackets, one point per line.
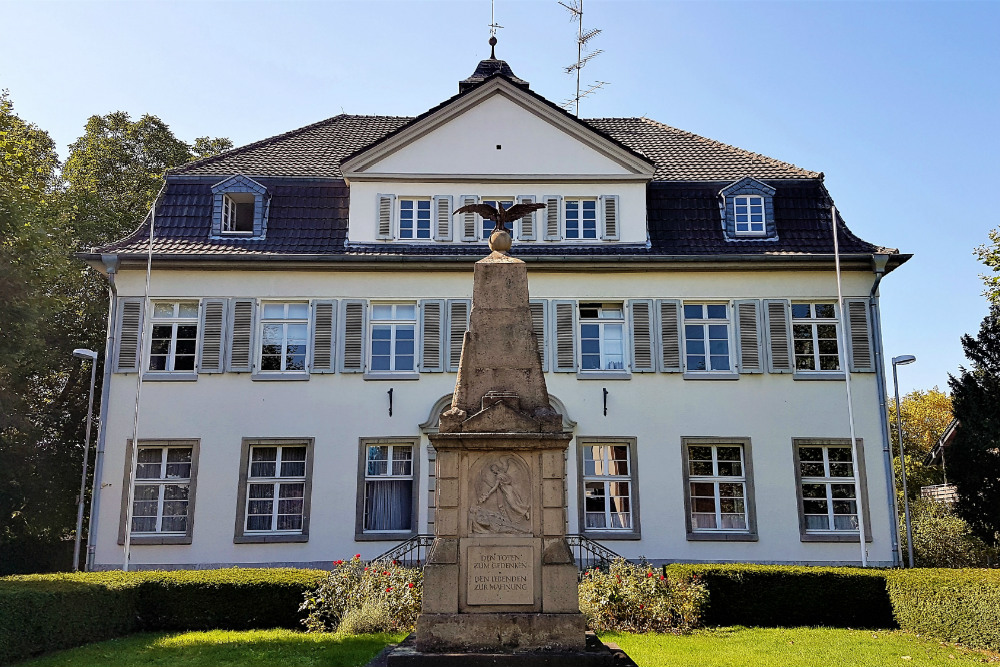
[501, 575]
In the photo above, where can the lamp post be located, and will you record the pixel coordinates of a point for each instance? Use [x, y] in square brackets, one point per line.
[902, 360]
[82, 353]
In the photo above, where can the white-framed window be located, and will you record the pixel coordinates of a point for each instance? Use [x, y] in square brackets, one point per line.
[173, 341]
[393, 329]
[415, 219]
[707, 337]
[284, 336]
[717, 487]
[814, 330]
[162, 490]
[580, 219]
[275, 488]
[488, 225]
[602, 336]
[748, 212]
[388, 488]
[238, 212]
[828, 491]
[607, 487]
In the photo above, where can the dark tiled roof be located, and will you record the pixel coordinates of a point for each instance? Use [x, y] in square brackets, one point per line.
[309, 217]
[487, 68]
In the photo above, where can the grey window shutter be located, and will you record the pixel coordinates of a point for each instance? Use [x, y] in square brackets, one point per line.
[241, 328]
[609, 212]
[553, 218]
[432, 328]
[641, 325]
[859, 328]
[669, 325]
[442, 213]
[212, 330]
[778, 326]
[527, 231]
[386, 207]
[458, 323]
[564, 349]
[352, 347]
[130, 314]
[748, 333]
[324, 336]
[538, 308]
[470, 231]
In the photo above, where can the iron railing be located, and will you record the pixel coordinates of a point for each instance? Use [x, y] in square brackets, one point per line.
[411, 553]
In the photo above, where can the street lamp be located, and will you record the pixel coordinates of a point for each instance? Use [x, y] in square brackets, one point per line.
[82, 353]
[902, 360]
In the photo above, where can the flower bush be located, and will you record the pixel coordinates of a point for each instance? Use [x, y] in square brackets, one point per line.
[359, 598]
[636, 598]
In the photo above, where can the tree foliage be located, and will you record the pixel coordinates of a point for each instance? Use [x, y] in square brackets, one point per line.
[50, 303]
[974, 456]
[925, 415]
[941, 538]
[989, 254]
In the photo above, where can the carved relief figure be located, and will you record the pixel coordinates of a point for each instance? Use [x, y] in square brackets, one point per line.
[502, 496]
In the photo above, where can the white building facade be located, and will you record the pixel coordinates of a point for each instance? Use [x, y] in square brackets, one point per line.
[308, 297]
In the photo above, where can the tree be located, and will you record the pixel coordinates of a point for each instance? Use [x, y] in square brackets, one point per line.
[974, 456]
[204, 147]
[925, 416]
[990, 256]
[943, 539]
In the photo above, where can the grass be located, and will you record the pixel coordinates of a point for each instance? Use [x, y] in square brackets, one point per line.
[223, 648]
[793, 647]
[719, 647]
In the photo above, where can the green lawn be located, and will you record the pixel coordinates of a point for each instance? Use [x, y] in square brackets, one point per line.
[792, 647]
[222, 648]
[721, 647]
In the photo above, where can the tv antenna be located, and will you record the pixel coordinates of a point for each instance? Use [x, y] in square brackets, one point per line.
[575, 8]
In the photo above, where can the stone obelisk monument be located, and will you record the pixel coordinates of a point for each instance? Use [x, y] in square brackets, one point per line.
[500, 577]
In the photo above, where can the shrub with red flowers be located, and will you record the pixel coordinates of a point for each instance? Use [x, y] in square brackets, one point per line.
[637, 598]
[356, 598]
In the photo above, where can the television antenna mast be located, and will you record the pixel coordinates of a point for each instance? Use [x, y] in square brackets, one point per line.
[575, 8]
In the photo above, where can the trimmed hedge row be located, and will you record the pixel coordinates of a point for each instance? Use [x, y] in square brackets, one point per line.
[41, 613]
[792, 596]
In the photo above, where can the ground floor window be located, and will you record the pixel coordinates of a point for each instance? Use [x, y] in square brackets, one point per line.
[162, 491]
[608, 493]
[275, 485]
[387, 489]
[719, 488]
[828, 489]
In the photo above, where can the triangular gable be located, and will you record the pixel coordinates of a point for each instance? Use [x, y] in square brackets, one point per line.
[498, 129]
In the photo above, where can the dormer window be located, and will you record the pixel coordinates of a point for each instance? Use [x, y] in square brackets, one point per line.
[747, 208]
[237, 213]
[240, 208]
[749, 215]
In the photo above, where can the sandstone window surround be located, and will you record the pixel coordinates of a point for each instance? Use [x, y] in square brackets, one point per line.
[718, 489]
[388, 485]
[608, 500]
[275, 487]
[827, 490]
[164, 494]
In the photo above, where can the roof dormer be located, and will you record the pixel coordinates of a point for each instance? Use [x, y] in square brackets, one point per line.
[747, 208]
[239, 208]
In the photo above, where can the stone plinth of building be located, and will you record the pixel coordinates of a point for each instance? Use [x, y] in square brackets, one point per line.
[500, 576]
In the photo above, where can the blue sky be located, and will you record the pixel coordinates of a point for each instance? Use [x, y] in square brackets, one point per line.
[896, 102]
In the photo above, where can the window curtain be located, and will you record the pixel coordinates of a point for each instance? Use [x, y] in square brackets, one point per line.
[388, 505]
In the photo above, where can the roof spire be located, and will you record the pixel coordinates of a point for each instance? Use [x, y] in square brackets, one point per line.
[493, 43]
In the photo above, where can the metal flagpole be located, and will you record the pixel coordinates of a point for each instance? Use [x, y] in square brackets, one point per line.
[842, 343]
[133, 445]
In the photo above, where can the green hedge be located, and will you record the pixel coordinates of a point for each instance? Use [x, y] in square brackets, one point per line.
[792, 596]
[41, 613]
[955, 605]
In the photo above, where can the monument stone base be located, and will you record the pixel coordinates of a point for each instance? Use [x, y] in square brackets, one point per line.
[594, 653]
[500, 633]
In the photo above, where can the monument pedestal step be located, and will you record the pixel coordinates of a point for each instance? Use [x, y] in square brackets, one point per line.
[596, 654]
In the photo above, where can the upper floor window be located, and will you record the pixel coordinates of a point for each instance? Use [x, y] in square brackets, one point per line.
[602, 337]
[747, 208]
[393, 337]
[581, 218]
[814, 330]
[706, 337]
[415, 219]
[749, 214]
[240, 208]
[174, 336]
[284, 329]
[489, 225]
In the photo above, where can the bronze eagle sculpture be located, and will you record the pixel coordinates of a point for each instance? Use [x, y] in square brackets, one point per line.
[500, 215]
